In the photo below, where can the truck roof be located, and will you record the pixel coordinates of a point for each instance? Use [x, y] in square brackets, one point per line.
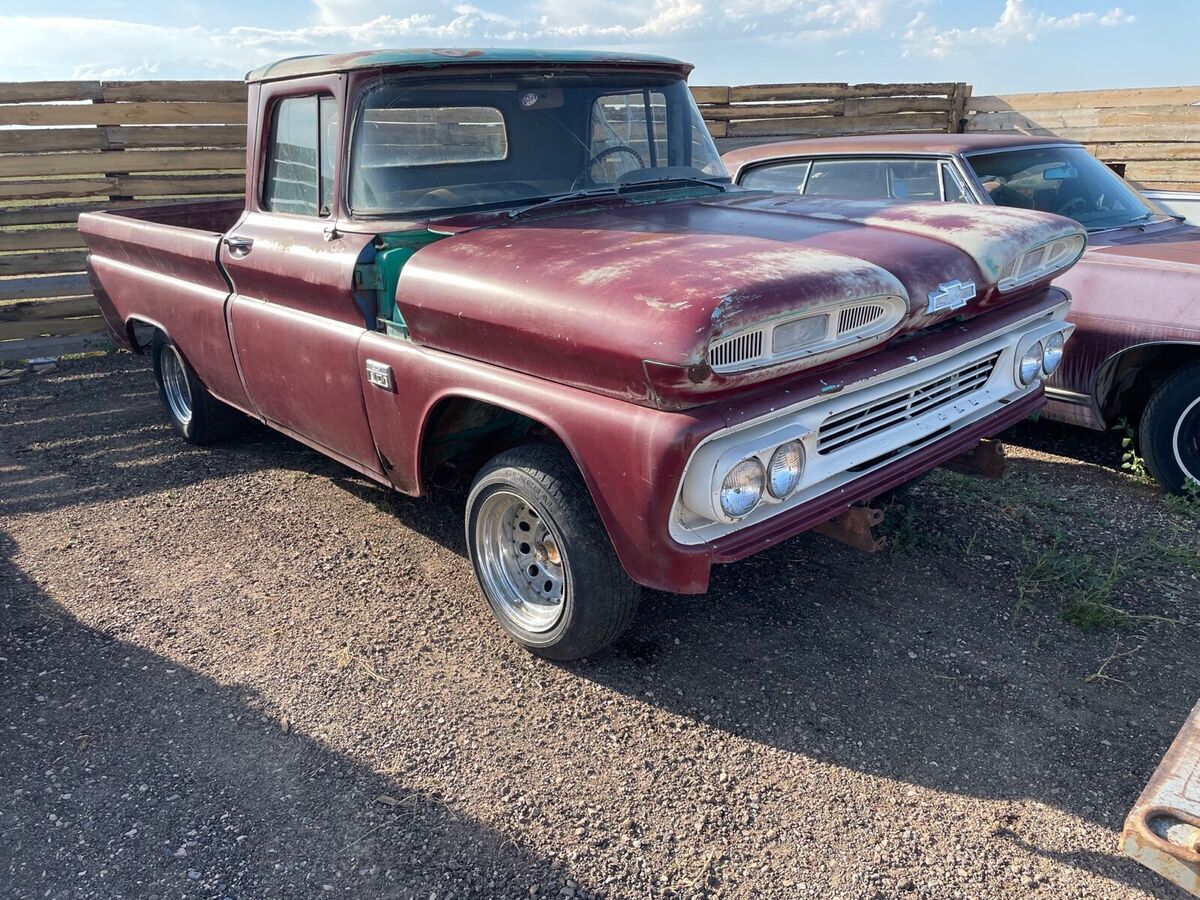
[299, 66]
[889, 143]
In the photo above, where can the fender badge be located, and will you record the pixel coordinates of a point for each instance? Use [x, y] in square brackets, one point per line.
[950, 295]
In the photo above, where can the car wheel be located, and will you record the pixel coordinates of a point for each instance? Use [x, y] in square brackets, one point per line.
[197, 415]
[542, 557]
[1169, 433]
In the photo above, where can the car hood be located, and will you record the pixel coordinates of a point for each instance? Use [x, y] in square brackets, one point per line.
[592, 295]
[1172, 244]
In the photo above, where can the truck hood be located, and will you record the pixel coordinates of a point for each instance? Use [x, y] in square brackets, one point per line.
[599, 296]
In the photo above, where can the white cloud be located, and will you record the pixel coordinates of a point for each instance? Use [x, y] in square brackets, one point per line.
[1017, 23]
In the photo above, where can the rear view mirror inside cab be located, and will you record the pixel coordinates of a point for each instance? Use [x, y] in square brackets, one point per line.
[1060, 173]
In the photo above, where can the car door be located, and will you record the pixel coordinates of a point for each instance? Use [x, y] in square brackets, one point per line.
[1163, 829]
[293, 319]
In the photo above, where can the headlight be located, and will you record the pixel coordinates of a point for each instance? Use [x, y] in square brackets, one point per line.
[742, 488]
[785, 468]
[1031, 364]
[1040, 262]
[1052, 354]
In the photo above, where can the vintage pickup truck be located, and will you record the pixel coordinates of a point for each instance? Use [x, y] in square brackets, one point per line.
[1136, 353]
[529, 271]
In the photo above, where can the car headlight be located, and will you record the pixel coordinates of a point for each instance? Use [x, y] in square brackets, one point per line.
[1031, 364]
[1052, 352]
[784, 469]
[742, 488]
[1041, 262]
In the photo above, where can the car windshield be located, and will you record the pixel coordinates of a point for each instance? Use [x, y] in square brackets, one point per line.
[1064, 180]
[452, 143]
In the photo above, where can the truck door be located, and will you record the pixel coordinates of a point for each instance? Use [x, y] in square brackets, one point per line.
[1163, 830]
[293, 318]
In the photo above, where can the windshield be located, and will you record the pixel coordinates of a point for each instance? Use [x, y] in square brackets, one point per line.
[425, 145]
[1064, 180]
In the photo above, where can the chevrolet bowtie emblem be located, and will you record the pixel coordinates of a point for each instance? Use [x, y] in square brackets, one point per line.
[950, 295]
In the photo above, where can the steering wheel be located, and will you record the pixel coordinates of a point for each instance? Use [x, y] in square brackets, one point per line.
[1072, 206]
[605, 154]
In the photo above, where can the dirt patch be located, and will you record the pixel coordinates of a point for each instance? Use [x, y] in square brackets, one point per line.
[244, 671]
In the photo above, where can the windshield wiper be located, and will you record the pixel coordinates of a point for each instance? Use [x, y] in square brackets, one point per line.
[668, 178]
[560, 198]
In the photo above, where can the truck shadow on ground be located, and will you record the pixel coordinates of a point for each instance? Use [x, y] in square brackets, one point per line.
[904, 668]
[128, 774]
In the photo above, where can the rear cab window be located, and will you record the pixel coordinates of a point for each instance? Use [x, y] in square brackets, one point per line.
[301, 156]
[867, 178]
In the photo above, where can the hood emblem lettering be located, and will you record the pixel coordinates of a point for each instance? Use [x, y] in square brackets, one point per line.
[950, 295]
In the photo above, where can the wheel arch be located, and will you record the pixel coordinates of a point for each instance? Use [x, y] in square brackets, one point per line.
[133, 323]
[1126, 379]
[474, 426]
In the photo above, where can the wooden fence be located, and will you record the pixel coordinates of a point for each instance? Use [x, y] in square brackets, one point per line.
[1149, 135]
[85, 145]
[67, 147]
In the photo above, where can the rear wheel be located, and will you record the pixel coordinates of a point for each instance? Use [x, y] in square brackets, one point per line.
[1169, 432]
[542, 557]
[197, 415]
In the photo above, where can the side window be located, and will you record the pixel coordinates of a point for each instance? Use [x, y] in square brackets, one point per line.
[952, 188]
[875, 179]
[301, 156]
[785, 177]
[630, 130]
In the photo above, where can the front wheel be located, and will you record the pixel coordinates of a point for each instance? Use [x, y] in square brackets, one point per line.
[196, 415]
[542, 556]
[1169, 433]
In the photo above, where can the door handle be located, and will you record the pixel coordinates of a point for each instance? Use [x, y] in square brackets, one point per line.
[238, 246]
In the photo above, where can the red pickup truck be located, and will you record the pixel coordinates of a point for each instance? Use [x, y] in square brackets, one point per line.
[530, 271]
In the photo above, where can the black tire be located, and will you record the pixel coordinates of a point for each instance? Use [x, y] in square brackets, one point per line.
[1169, 432]
[210, 419]
[596, 599]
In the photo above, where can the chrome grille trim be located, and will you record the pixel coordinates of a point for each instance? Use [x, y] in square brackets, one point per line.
[852, 318]
[853, 425]
[737, 350]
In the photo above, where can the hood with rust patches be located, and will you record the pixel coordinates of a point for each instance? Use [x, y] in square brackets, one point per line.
[586, 296]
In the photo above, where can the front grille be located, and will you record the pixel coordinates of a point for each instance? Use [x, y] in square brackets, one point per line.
[736, 350]
[845, 428]
[852, 318]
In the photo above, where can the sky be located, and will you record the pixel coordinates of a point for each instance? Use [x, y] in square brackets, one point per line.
[999, 46]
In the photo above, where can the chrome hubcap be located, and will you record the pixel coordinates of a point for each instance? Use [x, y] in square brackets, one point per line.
[1186, 441]
[520, 562]
[175, 385]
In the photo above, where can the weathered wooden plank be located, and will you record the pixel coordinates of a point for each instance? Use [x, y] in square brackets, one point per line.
[902, 89]
[710, 94]
[39, 263]
[1105, 134]
[48, 91]
[890, 105]
[123, 114]
[35, 328]
[774, 110]
[833, 125]
[60, 213]
[175, 91]
[1165, 96]
[1121, 152]
[44, 286]
[126, 161]
[717, 129]
[43, 310]
[1166, 186]
[32, 348]
[112, 137]
[1179, 171]
[41, 239]
[124, 186]
[755, 93]
[1052, 119]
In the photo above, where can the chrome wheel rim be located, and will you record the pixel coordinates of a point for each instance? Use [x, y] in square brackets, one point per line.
[175, 385]
[520, 562]
[1185, 441]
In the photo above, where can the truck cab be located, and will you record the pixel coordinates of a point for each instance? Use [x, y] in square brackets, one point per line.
[529, 273]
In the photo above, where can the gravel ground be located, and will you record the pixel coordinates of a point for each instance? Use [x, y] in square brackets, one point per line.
[244, 671]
